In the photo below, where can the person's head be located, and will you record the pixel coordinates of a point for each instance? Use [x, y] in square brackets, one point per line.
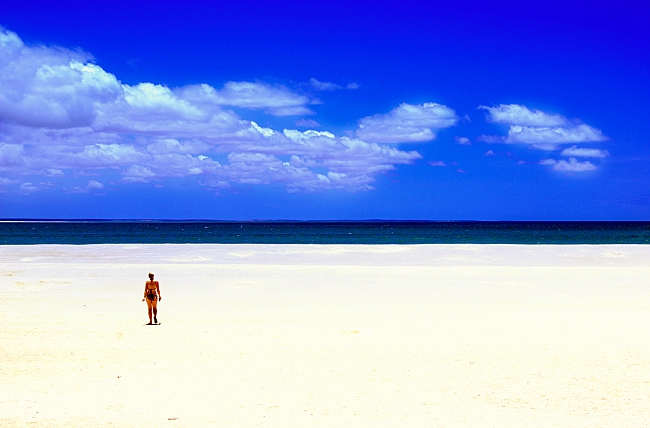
[151, 276]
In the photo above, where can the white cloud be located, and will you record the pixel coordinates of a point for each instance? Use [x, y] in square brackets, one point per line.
[102, 156]
[156, 110]
[580, 152]
[27, 187]
[172, 145]
[323, 86]
[463, 141]
[92, 185]
[48, 87]
[437, 163]
[541, 130]
[516, 114]
[558, 135]
[328, 86]
[572, 165]
[53, 172]
[351, 163]
[489, 153]
[60, 112]
[408, 123]
[11, 154]
[215, 184]
[276, 100]
[137, 174]
[543, 146]
[183, 165]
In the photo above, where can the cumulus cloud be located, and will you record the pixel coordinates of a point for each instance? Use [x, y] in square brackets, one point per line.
[539, 129]
[550, 136]
[546, 131]
[581, 152]
[138, 174]
[463, 141]
[102, 155]
[28, 187]
[62, 116]
[275, 100]
[328, 86]
[571, 165]
[47, 87]
[54, 172]
[172, 145]
[92, 185]
[515, 114]
[323, 86]
[407, 123]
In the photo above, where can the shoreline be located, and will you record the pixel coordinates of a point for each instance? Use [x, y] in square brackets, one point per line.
[389, 254]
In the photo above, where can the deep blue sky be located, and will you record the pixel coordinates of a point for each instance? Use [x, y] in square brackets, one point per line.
[100, 115]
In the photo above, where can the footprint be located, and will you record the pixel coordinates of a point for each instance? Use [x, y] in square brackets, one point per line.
[9, 272]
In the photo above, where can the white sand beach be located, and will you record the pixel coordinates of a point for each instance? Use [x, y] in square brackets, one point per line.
[326, 336]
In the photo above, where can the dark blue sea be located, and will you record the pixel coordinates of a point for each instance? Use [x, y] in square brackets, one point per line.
[309, 232]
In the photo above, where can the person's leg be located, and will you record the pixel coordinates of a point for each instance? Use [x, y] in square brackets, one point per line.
[154, 304]
[149, 306]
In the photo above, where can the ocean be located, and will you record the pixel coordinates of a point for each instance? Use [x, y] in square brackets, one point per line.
[321, 232]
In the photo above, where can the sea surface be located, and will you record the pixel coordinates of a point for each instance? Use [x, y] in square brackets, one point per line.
[309, 232]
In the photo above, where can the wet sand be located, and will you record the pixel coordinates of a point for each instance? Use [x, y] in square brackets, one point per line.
[326, 336]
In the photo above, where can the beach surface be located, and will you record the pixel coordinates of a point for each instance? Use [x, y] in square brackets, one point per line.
[326, 336]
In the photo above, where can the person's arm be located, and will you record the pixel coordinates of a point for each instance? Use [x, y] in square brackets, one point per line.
[145, 292]
[158, 288]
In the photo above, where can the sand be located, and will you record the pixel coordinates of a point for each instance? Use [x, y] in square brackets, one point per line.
[326, 336]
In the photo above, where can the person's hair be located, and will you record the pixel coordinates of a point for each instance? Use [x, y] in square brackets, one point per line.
[150, 275]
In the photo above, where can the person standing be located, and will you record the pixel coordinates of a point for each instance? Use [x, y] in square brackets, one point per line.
[152, 296]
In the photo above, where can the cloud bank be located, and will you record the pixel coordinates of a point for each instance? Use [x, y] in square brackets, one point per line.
[62, 116]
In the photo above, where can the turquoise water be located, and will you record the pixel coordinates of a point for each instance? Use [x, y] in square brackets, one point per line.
[370, 232]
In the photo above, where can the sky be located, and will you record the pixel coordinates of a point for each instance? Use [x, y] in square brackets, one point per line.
[325, 110]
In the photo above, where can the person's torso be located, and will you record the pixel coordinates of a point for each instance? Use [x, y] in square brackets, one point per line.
[151, 287]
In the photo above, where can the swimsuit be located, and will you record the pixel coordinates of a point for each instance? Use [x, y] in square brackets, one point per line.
[151, 292]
